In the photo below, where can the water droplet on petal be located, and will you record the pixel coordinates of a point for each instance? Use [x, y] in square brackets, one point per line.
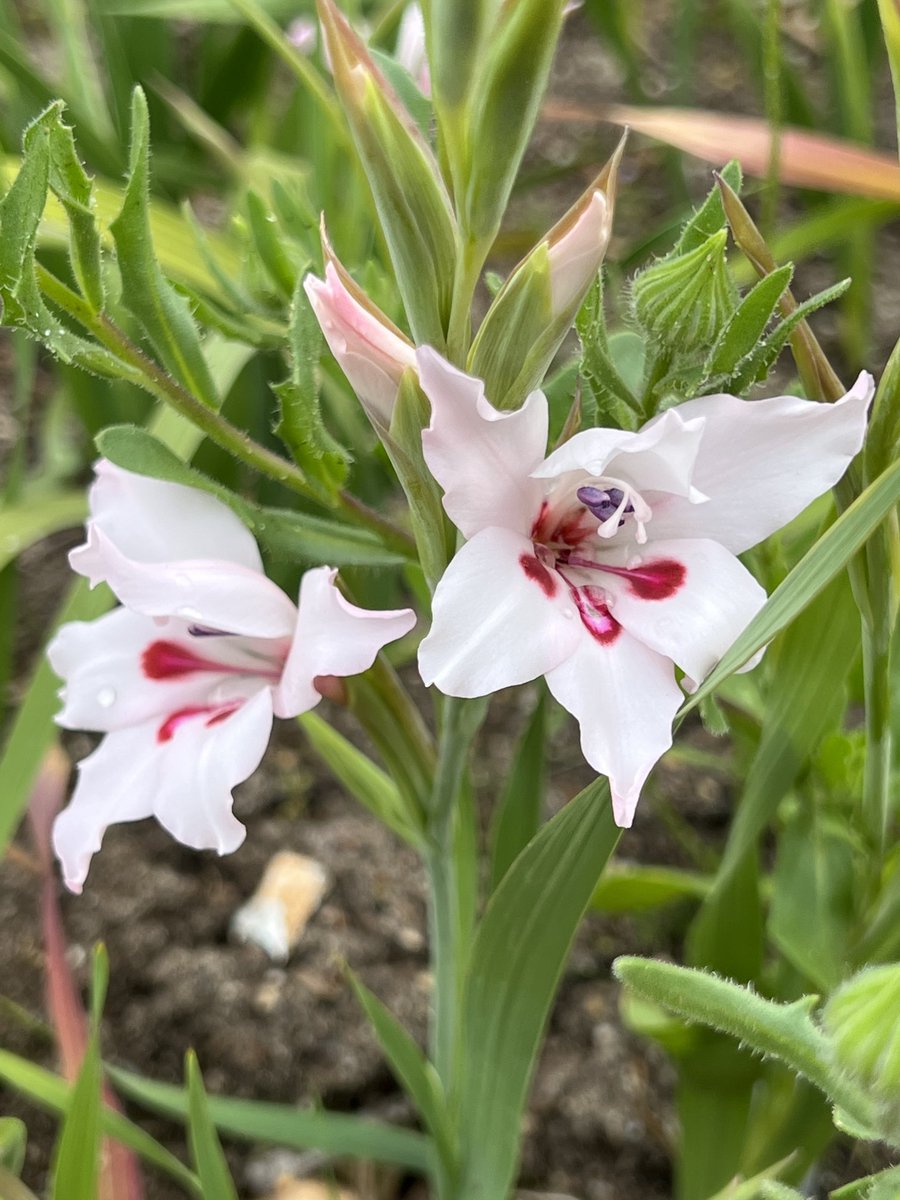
[106, 697]
[634, 562]
[181, 580]
[187, 613]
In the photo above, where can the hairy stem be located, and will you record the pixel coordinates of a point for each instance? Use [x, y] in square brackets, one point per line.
[159, 383]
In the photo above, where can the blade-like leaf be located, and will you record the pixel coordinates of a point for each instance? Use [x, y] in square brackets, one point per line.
[284, 1125]
[805, 159]
[212, 1169]
[814, 571]
[516, 962]
[55, 1095]
[518, 813]
[362, 778]
[409, 1064]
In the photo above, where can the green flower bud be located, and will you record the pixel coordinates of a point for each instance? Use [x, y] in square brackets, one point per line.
[684, 301]
[862, 1021]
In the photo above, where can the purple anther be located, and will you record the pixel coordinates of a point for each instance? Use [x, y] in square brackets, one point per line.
[602, 502]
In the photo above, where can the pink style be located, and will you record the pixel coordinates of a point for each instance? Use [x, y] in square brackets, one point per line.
[608, 564]
[185, 678]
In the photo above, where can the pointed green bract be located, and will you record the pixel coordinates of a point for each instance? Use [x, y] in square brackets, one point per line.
[412, 204]
[300, 426]
[501, 108]
[163, 314]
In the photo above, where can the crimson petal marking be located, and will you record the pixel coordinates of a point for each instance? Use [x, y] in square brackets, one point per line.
[595, 615]
[169, 660]
[219, 713]
[536, 571]
[657, 580]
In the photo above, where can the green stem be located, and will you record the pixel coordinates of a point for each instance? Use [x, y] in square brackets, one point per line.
[876, 642]
[469, 262]
[447, 875]
[165, 388]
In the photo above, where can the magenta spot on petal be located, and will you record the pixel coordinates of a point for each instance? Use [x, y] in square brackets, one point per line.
[222, 715]
[169, 660]
[213, 712]
[656, 580]
[538, 573]
[595, 615]
[167, 730]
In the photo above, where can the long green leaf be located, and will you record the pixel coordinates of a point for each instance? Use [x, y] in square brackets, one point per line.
[284, 1125]
[76, 1170]
[55, 1095]
[517, 959]
[806, 696]
[365, 781]
[212, 1169]
[409, 1064]
[813, 573]
[518, 813]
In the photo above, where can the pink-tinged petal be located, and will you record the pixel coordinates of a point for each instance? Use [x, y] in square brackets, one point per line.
[761, 462]
[660, 456]
[218, 594]
[624, 697]
[576, 254]
[499, 618]
[151, 521]
[106, 687]
[482, 458]
[125, 668]
[182, 773]
[371, 351]
[333, 637]
[687, 599]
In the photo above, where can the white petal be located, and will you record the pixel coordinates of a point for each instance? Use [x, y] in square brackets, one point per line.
[575, 257]
[693, 621]
[193, 800]
[482, 458]
[185, 781]
[105, 686]
[761, 462]
[494, 624]
[624, 697]
[370, 350]
[152, 521]
[221, 594]
[124, 669]
[660, 456]
[333, 637]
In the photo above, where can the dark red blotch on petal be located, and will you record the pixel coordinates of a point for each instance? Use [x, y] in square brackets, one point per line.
[538, 573]
[169, 660]
[595, 615]
[217, 714]
[656, 580]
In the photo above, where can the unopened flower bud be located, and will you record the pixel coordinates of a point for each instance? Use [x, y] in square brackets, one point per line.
[685, 300]
[861, 1018]
[370, 349]
[577, 246]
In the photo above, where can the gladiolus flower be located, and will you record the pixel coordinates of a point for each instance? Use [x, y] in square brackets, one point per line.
[369, 348]
[607, 564]
[185, 678]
